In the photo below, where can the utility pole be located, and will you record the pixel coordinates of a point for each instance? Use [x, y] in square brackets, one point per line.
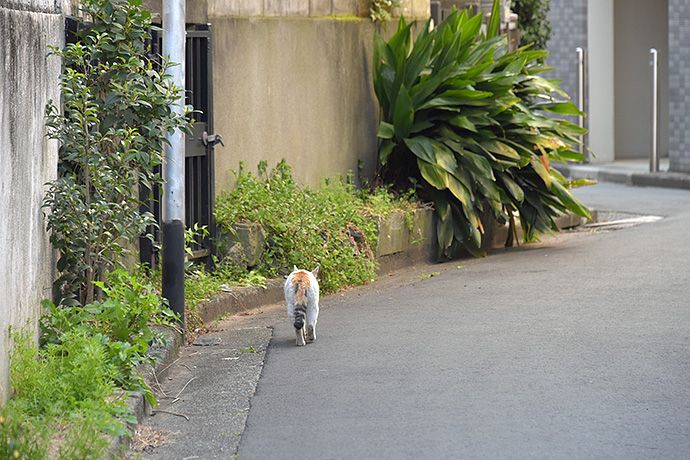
[173, 199]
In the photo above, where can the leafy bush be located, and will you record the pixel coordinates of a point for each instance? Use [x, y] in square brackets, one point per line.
[462, 117]
[121, 324]
[332, 227]
[381, 11]
[114, 112]
[532, 21]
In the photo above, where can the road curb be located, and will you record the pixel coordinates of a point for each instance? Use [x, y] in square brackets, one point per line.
[626, 177]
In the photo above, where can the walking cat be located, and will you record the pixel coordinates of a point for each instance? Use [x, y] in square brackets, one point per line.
[302, 298]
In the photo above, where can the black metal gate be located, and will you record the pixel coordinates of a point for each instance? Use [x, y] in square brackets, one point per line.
[199, 147]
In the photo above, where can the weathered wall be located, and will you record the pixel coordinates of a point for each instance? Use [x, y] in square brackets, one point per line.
[28, 79]
[312, 8]
[294, 88]
[294, 80]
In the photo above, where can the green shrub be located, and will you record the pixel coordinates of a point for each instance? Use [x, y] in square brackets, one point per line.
[381, 11]
[64, 401]
[121, 324]
[464, 119]
[22, 437]
[333, 227]
[114, 112]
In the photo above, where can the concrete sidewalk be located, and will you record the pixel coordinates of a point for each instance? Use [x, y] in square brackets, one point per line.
[627, 172]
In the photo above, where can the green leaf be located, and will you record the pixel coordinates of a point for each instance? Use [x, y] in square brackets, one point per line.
[421, 146]
[571, 155]
[385, 150]
[434, 175]
[403, 114]
[494, 20]
[512, 187]
[498, 147]
[541, 170]
[479, 165]
[577, 183]
[463, 122]
[386, 130]
[561, 108]
[444, 228]
[444, 157]
[569, 201]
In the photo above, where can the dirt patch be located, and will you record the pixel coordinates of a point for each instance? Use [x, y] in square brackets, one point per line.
[147, 438]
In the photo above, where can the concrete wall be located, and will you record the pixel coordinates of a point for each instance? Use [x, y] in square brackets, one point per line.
[294, 88]
[28, 79]
[638, 26]
[294, 80]
[309, 8]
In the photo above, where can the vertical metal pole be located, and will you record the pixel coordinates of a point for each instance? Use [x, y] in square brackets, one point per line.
[581, 93]
[173, 253]
[654, 160]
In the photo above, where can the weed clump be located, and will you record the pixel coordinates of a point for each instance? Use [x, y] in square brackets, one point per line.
[333, 227]
[65, 400]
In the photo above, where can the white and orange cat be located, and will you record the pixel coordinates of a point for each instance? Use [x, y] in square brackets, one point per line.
[302, 298]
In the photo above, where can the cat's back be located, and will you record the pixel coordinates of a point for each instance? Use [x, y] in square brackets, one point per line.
[301, 284]
[298, 281]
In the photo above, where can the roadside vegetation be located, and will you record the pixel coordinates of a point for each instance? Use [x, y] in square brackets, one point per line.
[533, 22]
[334, 226]
[69, 391]
[462, 128]
[465, 120]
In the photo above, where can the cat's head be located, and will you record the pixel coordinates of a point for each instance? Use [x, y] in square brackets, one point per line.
[314, 272]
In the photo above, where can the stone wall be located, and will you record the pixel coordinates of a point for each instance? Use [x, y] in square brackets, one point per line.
[28, 80]
[679, 85]
[568, 19]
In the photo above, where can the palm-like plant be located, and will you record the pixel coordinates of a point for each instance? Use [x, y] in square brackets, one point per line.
[464, 119]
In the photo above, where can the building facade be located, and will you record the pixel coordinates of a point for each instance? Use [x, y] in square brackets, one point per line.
[617, 37]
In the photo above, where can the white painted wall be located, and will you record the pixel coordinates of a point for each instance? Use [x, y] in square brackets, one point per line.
[600, 14]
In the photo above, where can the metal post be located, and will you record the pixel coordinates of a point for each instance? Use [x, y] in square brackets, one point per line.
[581, 93]
[173, 212]
[654, 160]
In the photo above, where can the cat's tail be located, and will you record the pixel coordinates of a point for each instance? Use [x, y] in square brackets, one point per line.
[301, 284]
[300, 313]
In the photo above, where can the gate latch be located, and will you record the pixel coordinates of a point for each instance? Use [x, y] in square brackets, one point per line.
[212, 139]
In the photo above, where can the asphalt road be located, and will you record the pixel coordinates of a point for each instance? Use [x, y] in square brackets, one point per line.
[577, 347]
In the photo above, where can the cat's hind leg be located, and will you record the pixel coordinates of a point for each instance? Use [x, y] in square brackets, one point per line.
[299, 333]
[312, 315]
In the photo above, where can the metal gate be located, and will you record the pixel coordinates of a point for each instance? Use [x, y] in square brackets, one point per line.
[199, 148]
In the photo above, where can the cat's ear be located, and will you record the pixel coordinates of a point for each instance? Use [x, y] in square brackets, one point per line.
[294, 268]
[315, 272]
